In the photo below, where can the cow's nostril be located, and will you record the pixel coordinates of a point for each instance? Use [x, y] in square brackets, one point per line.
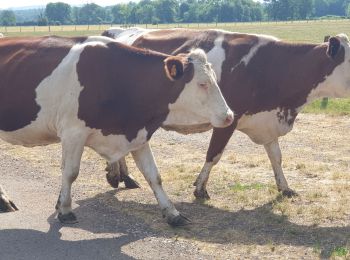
[229, 118]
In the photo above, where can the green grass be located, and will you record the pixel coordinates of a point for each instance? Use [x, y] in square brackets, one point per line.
[336, 106]
[297, 31]
[340, 252]
[243, 187]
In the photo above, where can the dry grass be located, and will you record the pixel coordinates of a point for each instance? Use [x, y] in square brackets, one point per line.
[246, 216]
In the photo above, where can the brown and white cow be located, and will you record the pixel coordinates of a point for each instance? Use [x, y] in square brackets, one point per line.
[110, 97]
[265, 81]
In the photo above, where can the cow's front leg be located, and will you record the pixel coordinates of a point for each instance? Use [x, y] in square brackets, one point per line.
[146, 164]
[6, 205]
[219, 140]
[72, 150]
[274, 152]
[118, 172]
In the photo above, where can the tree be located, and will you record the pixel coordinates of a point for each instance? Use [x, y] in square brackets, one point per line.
[92, 14]
[166, 10]
[348, 11]
[304, 9]
[146, 13]
[58, 13]
[75, 15]
[7, 18]
[42, 19]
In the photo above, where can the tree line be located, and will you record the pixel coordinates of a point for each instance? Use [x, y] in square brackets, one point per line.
[180, 11]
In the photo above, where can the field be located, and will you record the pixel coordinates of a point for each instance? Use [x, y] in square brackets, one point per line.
[246, 216]
[297, 31]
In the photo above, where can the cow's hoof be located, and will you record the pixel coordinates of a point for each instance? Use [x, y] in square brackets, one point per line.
[178, 221]
[68, 218]
[7, 205]
[201, 194]
[289, 193]
[112, 180]
[130, 183]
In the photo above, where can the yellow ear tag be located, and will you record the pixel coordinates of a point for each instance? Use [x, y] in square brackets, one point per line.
[173, 71]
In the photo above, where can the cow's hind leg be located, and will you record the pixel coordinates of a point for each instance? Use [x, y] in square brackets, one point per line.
[113, 174]
[118, 172]
[218, 141]
[146, 164]
[72, 150]
[6, 205]
[274, 152]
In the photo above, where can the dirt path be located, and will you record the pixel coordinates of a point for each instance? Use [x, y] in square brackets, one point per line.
[102, 233]
[244, 219]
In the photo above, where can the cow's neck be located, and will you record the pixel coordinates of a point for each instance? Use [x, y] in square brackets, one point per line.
[333, 85]
[297, 75]
[183, 117]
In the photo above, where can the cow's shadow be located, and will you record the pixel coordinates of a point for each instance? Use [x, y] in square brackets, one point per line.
[32, 244]
[104, 213]
[258, 226]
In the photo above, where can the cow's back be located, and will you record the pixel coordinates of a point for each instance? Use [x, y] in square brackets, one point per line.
[29, 92]
[265, 81]
[24, 63]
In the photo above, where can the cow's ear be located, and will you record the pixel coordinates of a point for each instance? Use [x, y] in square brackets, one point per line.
[333, 46]
[174, 68]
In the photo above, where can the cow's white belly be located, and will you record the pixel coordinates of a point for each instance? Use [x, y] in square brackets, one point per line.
[114, 147]
[111, 147]
[29, 137]
[264, 127]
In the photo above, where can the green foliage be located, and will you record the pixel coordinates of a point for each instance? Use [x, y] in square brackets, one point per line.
[42, 20]
[7, 18]
[289, 9]
[58, 13]
[92, 14]
[27, 15]
[189, 11]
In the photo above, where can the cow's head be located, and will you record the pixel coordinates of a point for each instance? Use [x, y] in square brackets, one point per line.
[201, 100]
[338, 51]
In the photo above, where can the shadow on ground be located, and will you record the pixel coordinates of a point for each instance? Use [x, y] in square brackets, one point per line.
[259, 226]
[133, 221]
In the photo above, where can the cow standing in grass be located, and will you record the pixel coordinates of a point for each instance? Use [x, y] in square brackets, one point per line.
[110, 97]
[265, 81]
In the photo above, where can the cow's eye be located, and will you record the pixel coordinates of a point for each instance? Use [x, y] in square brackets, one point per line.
[203, 86]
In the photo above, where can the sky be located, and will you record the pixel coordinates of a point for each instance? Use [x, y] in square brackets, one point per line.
[4, 4]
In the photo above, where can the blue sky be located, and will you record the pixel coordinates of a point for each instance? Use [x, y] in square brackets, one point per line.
[4, 4]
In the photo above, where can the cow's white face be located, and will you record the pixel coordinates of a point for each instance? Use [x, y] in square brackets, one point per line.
[343, 72]
[337, 84]
[201, 100]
